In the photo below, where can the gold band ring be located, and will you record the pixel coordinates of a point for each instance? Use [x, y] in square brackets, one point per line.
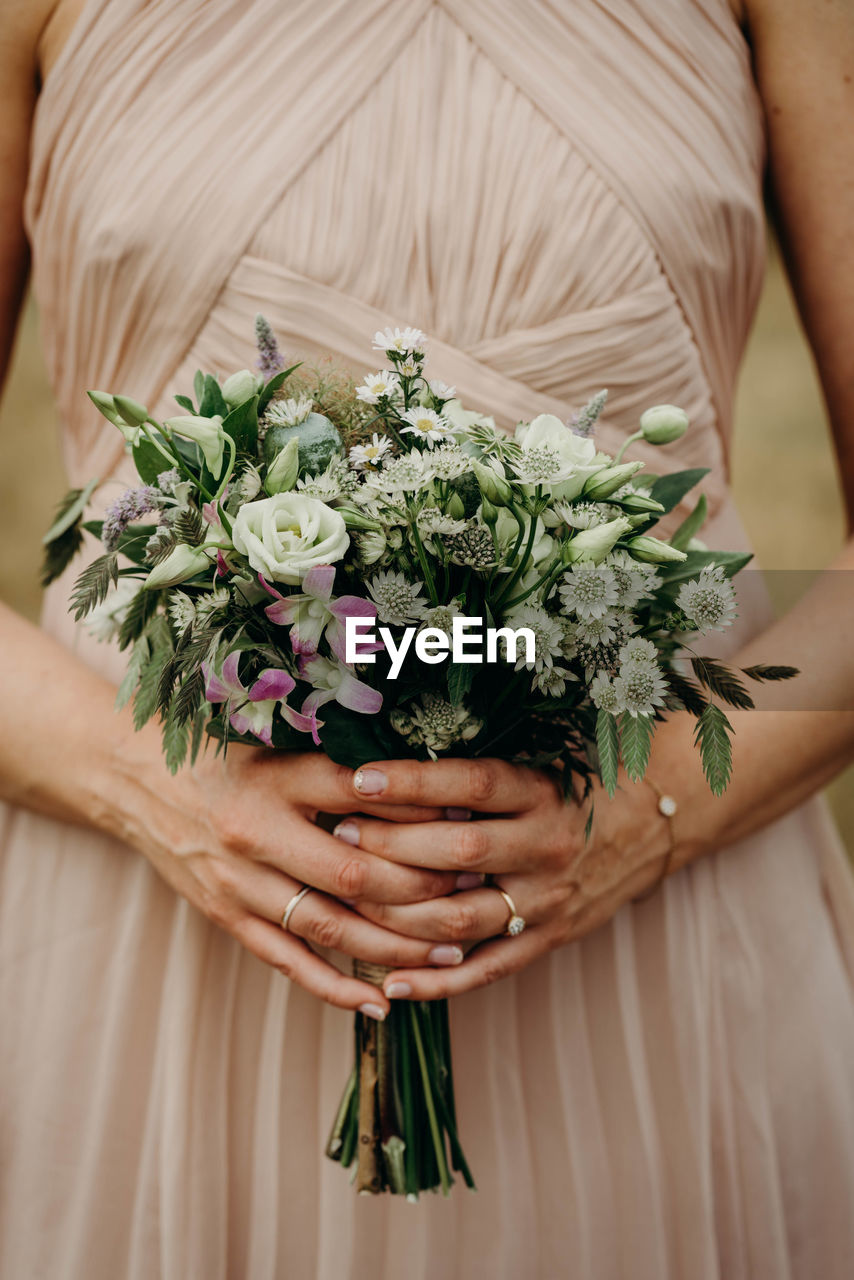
[515, 923]
[293, 904]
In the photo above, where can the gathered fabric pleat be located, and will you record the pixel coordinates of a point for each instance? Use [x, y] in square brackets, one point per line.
[565, 197]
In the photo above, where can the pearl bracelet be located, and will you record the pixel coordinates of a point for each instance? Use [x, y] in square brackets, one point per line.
[668, 808]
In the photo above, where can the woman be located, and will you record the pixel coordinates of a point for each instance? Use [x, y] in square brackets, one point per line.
[565, 196]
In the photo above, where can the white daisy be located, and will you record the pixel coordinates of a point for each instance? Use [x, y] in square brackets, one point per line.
[289, 413]
[399, 341]
[426, 425]
[441, 390]
[366, 457]
[378, 386]
[396, 598]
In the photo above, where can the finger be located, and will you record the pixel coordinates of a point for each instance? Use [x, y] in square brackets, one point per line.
[297, 961]
[462, 917]
[491, 845]
[328, 787]
[488, 963]
[333, 866]
[490, 786]
[324, 921]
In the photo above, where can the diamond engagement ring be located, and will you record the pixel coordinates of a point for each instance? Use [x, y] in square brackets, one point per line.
[515, 923]
[293, 904]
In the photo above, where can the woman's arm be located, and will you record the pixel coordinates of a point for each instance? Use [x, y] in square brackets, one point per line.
[802, 733]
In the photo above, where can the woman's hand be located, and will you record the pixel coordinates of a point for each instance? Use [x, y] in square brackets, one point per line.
[529, 839]
[238, 839]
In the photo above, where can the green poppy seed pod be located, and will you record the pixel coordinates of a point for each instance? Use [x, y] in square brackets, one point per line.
[608, 481]
[240, 387]
[653, 551]
[491, 485]
[663, 423]
[283, 470]
[132, 412]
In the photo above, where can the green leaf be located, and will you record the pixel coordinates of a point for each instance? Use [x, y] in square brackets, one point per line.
[607, 740]
[725, 683]
[764, 672]
[145, 702]
[688, 693]
[670, 490]
[732, 562]
[59, 553]
[460, 677]
[211, 401]
[176, 740]
[186, 403]
[635, 742]
[70, 510]
[92, 585]
[712, 737]
[149, 461]
[199, 385]
[139, 612]
[138, 658]
[350, 738]
[189, 527]
[189, 697]
[242, 425]
[198, 732]
[691, 525]
[273, 385]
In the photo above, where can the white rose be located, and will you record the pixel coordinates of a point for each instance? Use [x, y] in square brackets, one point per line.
[576, 451]
[286, 535]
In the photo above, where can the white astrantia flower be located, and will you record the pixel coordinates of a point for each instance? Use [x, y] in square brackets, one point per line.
[326, 485]
[635, 580]
[441, 618]
[182, 611]
[608, 629]
[406, 474]
[438, 724]
[541, 465]
[248, 484]
[290, 412]
[641, 688]
[397, 599]
[426, 425]
[432, 520]
[367, 457]
[638, 652]
[378, 386]
[548, 635]
[604, 694]
[552, 681]
[211, 602]
[583, 515]
[105, 620]
[708, 601]
[399, 341]
[589, 590]
[448, 462]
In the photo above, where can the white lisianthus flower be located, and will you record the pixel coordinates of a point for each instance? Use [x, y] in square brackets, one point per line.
[399, 342]
[378, 386]
[426, 425]
[208, 435]
[708, 601]
[181, 564]
[240, 387]
[366, 457]
[289, 413]
[578, 457]
[286, 535]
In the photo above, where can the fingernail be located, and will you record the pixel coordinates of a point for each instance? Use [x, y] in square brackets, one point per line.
[469, 880]
[348, 832]
[369, 782]
[445, 955]
[458, 815]
[375, 1011]
[396, 990]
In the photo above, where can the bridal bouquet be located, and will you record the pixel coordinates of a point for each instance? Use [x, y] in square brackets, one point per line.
[375, 571]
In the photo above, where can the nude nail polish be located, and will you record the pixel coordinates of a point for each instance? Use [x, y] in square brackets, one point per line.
[369, 782]
[348, 832]
[397, 990]
[445, 955]
[374, 1011]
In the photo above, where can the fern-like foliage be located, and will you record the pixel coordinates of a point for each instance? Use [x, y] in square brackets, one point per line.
[687, 693]
[92, 585]
[608, 743]
[712, 736]
[140, 611]
[725, 683]
[189, 527]
[764, 672]
[635, 741]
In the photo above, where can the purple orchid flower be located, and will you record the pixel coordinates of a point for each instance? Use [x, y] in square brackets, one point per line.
[313, 611]
[255, 705]
[335, 681]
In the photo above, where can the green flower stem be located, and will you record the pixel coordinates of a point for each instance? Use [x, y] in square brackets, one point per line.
[520, 568]
[228, 471]
[438, 1143]
[546, 581]
[636, 435]
[410, 1154]
[422, 555]
[336, 1138]
[174, 459]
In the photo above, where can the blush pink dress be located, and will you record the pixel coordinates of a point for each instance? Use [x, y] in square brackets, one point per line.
[564, 196]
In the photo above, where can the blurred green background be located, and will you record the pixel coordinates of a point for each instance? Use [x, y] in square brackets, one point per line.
[781, 441]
